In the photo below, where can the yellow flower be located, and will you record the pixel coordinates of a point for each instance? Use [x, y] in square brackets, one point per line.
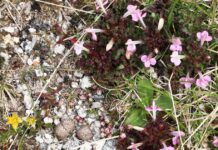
[14, 120]
[31, 121]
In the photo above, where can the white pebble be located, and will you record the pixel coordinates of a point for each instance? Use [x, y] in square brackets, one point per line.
[82, 113]
[56, 121]
[96, 105]
[9, 29]
[18, 50]
[74, 85]
[85, 82]
[39, 72]
[48, 120]
[78, 74]
[32, 30]
[39, 139]
[59, 49]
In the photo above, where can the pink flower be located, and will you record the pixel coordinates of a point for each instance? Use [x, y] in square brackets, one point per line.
[135, 13]
[93, 32]
[176, 45]
[176, 58]
[153, 109]
[215, 141]
[78, 47]
[177, 135]
[130, 10]
[167, 147]
[148, 61]
[131, 45]
[204, 36]
[203, 81]
[187, 81]
[101, 4]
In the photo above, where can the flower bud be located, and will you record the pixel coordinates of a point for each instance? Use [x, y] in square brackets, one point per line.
[160, 24]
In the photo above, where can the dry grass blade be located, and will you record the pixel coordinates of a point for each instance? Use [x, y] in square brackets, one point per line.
[71, 8]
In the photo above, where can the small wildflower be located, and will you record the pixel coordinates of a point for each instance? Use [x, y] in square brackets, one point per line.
[14, 120]
[215, 141]
[93, 32]
[203, 81]
[101, 4]
[136, 14]
[176, 58]
[187, 81]
[176, 45]
[148, 61]
[31, 121]
[131, 47]
[177, 135]
[153, 109]
[167, 147]
[134, 146]
[204, 36]
[130, 10]
[78, 47]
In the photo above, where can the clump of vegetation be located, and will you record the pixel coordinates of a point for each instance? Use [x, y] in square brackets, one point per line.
[150, 137]
[154, 39]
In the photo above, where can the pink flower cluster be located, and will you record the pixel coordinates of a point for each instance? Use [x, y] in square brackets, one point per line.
[215, 141]
[177, 135]
[175, 140]
[131, 47]
[165, 147]
[93, 32]
[204, 37]
[176, 47]
[202, 82]
[136, 14]
[148, 60]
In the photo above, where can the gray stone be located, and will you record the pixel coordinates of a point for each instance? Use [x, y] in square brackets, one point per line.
[98, 97]
[84, 133]
[96, 105]
[64, 129]
[110, 145]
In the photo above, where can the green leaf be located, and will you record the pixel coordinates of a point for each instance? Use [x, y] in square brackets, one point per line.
[171, 12]
[164, 101]
[136, 117]
[145, 91]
